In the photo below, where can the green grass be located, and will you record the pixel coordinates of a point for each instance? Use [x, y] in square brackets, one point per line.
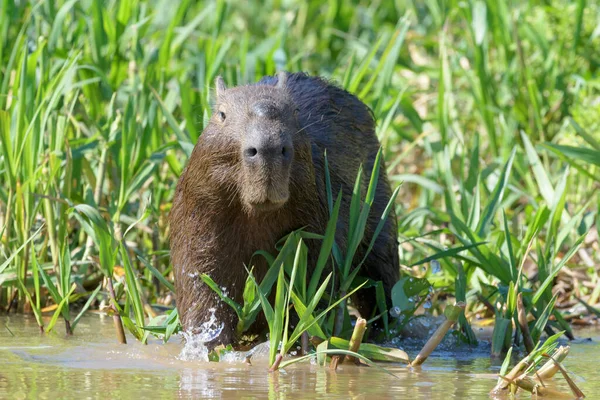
[487, 111]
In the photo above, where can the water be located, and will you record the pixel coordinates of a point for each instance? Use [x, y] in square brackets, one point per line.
[92, 365]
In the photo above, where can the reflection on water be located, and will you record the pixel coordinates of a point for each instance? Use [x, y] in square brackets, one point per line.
[91, 365]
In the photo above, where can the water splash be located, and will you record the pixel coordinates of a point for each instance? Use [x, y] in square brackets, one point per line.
[195, 343]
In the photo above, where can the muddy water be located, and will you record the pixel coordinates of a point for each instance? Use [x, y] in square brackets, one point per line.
[91, 365]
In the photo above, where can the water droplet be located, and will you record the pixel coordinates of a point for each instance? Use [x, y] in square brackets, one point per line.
[436, 268]
[395, 312]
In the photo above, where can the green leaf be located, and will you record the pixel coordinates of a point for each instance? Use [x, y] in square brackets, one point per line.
[374, 352]
[58, 310]
[326, 247]
[85, 307]
[355, 204]
[583, 154]
[7, 262]
[299, 258]
[50, 286]
[306, 318]
[215, 287]
[448, 253]
[557, 209]
[59, 24]
[497, 195]
[542, 320]
[305, 313]
[502, 330]
[479, 21]
[36, 309]
[269, 279]
[321, 353]
[511, 254]
[311, 322]
[374, 178]
[338, 352]
[380, 225]
[505, 365]
[182, 138]
[157, 274]
[558, 267]
[133, 292]
[380, 299]
[406, 289]
[276, 324]
[546, 189]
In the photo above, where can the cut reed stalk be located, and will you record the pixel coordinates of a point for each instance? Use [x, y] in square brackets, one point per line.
[116, 316]
[522, 318]
[275, 366]
[452, 314]
[357, 337]
[532, 386]
[550, 368]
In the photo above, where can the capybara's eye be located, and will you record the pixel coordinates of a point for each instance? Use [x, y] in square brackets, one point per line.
[221, 115]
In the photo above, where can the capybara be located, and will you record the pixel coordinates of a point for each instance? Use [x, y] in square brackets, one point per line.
[257, 173]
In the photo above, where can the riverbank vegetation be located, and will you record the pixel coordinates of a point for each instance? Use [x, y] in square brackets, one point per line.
[488, 114]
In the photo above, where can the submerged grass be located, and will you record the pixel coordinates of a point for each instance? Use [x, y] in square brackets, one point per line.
[488, 112]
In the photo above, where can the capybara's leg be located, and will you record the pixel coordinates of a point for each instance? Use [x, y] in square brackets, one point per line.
[202, 312]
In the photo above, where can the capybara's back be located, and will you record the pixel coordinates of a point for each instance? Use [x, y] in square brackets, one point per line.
[257, 173]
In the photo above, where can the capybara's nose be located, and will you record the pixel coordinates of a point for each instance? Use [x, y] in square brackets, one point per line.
[267, 150]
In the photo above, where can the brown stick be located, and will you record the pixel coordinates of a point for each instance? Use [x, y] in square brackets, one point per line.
[522, 317]
[12, 301]
[304, 343]
[116, 317]
[572, 385]
[275, 365]
[68, 329]
[486, 303]
[335, 360]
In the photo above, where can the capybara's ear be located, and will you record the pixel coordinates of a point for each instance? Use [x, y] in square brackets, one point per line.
[220, 85]
[281, 79]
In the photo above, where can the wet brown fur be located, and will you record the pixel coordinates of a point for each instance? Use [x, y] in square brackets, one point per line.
[214, 231]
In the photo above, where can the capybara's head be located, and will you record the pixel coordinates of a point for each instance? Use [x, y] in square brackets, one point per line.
[253, 129]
